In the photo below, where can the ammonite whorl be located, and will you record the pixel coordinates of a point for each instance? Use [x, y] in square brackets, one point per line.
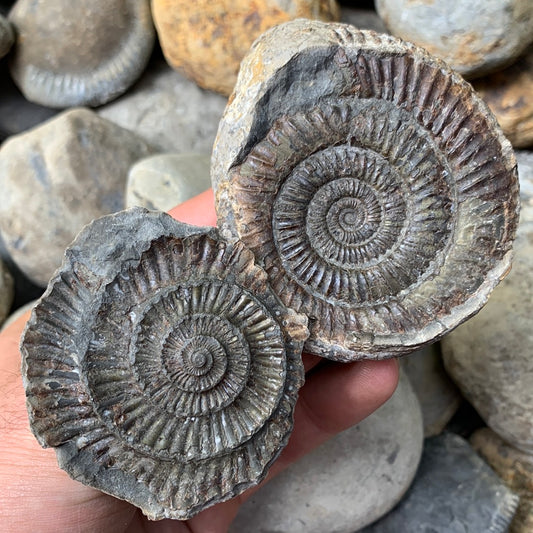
[371, 183]
[160, 364]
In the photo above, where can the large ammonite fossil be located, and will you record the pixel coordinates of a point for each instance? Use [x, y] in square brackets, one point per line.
[371, 183]
[160, 364]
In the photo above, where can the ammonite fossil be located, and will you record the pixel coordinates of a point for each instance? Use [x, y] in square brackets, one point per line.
[79, 53]
[160, 364]
[371, 183]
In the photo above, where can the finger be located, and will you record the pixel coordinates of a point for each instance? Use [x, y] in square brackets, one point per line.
[336, 397]
[311, 361]
[199, 210]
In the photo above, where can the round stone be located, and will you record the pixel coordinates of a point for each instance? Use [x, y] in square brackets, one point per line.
[475, 37]
[490, 356]
[70, 170]
[372, 464]
[163, 181]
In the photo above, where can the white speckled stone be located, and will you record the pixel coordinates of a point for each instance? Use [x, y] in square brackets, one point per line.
[474, 37]
[165, 180]
[349, 481]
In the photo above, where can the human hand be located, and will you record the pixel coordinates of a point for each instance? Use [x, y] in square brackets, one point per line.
[37, 496]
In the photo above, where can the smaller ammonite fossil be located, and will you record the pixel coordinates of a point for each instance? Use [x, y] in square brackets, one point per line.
[160, 365]
[372, 184]
[79, 53]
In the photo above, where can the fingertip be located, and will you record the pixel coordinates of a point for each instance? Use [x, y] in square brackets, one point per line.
[377, 380]
[199, 210]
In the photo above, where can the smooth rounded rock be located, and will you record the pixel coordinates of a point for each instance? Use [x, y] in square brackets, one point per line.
[169, 111]
[490, 357]
[79, 53]
[349, 481]
[439, 397]
[454, 491]
[165, 180]
[515, 468]
[66, 172]
[7, 36]
[207, 40]
[475, 37]
[509, 94]
[6, 291]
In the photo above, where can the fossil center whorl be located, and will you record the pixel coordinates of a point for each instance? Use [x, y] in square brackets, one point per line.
[354, 223]
[205, 355]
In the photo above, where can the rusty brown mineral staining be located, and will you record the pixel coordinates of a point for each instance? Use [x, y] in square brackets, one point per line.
[372, 184]
[161, 366]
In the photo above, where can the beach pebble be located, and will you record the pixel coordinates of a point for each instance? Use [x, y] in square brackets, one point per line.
[475, 37]
[490, 356]
[169, 111]
[163, 181]
[515, 468]
[79, 53]
[207, 39]
[63, 174]
[439, 397]
[7, 36]
[6, 291]
[349, 481]
[454, 491]
[364, 19]
[509, 94]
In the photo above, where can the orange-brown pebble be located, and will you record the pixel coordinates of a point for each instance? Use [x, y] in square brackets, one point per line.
[206, 40]
[509, 94]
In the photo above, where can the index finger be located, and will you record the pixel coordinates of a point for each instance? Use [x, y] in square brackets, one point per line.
[199, 210]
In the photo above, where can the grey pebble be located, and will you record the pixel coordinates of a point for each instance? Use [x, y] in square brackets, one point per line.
[475, 37]
[439, 397]
[454, 491]
[163, 181]
[490, 356]
[7, 36]
[65, 173]
[169, 111]
[348, 482]
[79, 53]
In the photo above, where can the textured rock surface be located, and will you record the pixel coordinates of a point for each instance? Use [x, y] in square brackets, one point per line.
[439, 397]
[365, 19]
[207, 39]
[7, 36]
[166, 180]
[490, 357]
[69, 171]
[368, 151]
[454, 490]
[349, 481]
[160, 365]
[509, 94]
[515, 468]
[6, 291]
[474, 37]
[171, 112]
[69, 53]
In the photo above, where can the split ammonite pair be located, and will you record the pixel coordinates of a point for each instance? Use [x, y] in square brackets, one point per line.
[367, 202]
